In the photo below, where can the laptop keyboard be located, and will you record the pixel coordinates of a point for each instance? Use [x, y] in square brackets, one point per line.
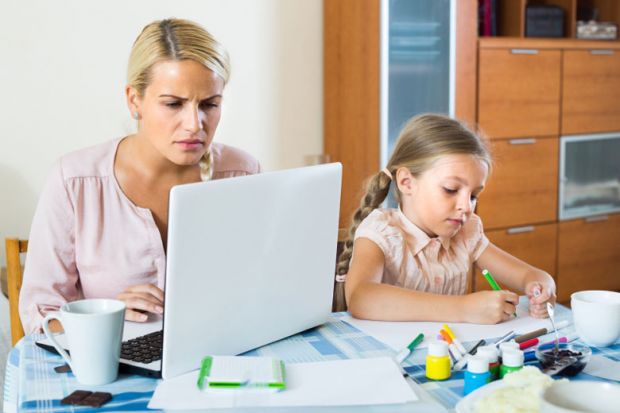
[143, 349]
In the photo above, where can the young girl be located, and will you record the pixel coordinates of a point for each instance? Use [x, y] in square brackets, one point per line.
[411, 263]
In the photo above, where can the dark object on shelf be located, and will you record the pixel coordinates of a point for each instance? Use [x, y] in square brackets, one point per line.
[586, 11]
[488, 12]
[544, 21]
[597, 30]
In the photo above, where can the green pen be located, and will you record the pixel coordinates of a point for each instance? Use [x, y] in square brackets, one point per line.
[487, 275]
[404, 353]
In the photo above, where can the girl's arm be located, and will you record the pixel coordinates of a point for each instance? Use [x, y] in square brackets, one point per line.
[518, 275]
[368, 298]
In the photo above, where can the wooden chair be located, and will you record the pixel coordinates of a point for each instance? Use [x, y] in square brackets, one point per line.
[15, 247]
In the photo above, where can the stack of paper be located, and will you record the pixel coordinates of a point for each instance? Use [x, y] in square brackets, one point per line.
[327, 383]
[397, 334]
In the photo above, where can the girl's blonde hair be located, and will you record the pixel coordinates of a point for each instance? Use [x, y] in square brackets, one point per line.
[423, 139]
[176, 39]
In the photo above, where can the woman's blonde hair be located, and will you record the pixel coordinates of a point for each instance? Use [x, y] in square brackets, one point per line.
[423, 139]
[176, 39]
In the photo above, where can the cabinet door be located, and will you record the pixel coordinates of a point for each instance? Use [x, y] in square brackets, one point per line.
[534, 244]
[590, 91]
[523, 185]
[519, 92]
[589, 255]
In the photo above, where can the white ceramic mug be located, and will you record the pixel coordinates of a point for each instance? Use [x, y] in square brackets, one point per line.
[94, 332]
[596, 314]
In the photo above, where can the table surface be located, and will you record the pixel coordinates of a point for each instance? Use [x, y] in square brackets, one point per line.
[32, 385]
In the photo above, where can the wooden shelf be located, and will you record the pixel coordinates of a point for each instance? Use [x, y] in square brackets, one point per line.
[540, 43]
[512, 14]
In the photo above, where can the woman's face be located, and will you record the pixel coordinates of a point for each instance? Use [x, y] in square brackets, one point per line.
[180, 109]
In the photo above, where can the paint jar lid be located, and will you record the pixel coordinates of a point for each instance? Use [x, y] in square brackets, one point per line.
[508, 345]
[477, 364]
[438, 348]
[513, 358]
[490, 352]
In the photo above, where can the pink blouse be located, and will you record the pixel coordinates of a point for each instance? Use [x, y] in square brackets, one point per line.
[416, 261]
[88, 240]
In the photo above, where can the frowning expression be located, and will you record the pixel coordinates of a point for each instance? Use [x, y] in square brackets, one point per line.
[180, 109]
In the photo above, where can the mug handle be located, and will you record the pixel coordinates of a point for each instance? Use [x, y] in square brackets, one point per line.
[50, 336]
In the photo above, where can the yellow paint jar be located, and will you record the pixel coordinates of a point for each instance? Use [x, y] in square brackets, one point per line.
[437, 361]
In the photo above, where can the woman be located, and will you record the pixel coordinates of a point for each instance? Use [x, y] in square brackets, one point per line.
[101, 223]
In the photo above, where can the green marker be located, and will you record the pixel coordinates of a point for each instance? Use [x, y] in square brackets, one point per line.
[404, 353]
[490, 279]
[487, 275]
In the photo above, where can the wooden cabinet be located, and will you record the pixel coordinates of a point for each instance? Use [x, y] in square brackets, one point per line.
[567, 87]
[351, 94]
[588, 255]
[353, 86]
[590, 91]
[523, 187]
[519, 92]
[534, 244]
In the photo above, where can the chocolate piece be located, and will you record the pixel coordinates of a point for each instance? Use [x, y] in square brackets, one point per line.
[76, 396]
[62, 369]
[96, 399]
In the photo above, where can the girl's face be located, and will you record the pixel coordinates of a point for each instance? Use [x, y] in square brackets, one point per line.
[180, 109]
[442, 199]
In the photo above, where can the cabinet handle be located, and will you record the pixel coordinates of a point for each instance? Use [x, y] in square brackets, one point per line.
[524, 51]
[520, 230]
[597, 218]
[607, 52]
[526, 141]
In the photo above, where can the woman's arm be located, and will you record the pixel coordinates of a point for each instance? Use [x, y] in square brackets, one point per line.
[368, 298]
[50, 274]
[518, 275]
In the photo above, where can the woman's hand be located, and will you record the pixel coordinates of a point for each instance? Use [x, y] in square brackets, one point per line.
[539, 293]
[490, 307]
[141, 299]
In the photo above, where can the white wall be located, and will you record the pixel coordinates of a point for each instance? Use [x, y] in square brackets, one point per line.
[62, 74]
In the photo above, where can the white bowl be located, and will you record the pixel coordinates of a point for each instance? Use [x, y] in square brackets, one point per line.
[581, 397]
[597, 316]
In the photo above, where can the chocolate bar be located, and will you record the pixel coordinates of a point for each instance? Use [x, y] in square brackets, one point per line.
[87, 398]
[62, 369]
[96, 399]
[75, 397]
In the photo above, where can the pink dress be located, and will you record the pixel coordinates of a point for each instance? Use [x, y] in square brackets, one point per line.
[88, 240]
[416, 261]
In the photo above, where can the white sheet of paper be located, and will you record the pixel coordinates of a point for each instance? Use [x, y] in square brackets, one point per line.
[399, 334]
[327, 383]
[603, 367]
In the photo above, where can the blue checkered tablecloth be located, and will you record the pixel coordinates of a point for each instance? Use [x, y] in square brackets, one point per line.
[31, 384]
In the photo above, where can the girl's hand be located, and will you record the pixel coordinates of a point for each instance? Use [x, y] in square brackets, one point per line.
[490, 307]
[539, 293]
[141, 299]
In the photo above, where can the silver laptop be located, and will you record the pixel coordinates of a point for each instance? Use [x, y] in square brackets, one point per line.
[250, 260]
